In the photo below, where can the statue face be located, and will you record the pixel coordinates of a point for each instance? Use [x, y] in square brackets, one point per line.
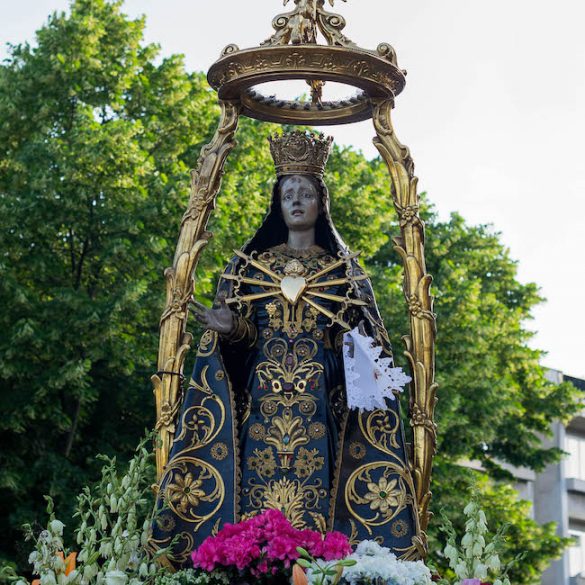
[299, 201]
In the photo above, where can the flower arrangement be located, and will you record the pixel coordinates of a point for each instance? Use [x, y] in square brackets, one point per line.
[477, 558]
[370, 564]
[114, 526]
[264, 548]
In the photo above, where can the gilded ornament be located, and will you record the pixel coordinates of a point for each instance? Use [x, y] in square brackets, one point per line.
[379, 81]
[357, 450]
[263, 462]
[300, 153]
[219, 451]
[383, 496]
[399, 528]
[165, 522]
[317, 430]
[257, 432]
[307, 462]
[185, 491]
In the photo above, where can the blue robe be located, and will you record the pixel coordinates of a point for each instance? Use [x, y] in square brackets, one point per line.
[264, 422]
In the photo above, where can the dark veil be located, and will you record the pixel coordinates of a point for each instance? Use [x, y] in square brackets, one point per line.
[273, 231]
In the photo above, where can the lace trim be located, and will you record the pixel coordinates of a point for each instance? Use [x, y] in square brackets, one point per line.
[369, 378]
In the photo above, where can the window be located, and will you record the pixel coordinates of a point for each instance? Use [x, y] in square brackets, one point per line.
[577, 553]
[575, 446]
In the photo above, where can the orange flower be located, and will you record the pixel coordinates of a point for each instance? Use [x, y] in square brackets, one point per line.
[299, 576]
[69, 564]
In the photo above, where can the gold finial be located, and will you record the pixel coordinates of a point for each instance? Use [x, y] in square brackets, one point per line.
[300, 153]
[300, 26]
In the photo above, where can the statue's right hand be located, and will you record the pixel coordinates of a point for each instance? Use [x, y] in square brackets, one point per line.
[220, 320]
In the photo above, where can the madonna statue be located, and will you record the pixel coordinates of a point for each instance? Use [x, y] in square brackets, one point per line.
[292, 403]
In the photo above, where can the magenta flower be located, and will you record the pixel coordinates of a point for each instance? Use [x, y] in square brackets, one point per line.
[266, 544]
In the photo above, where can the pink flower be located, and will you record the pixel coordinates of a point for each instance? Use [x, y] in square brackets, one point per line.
[266, 544]
[335, 546]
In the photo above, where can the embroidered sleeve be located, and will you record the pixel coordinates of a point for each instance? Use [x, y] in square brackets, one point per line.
[244, 332]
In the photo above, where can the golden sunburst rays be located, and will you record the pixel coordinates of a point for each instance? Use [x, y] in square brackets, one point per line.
[305, 289]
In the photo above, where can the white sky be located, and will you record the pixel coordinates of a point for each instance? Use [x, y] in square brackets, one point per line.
[493, 111]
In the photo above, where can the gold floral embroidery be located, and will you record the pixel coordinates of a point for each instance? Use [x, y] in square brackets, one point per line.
[186, 491]
[399, 529]
[263, 462]
[383, 495]
[287, 370]
[317, 430]
[257, 432]
[286, 434]
[286, 495]
[219, 451]
[165, 522]
[357, 450]
[290, 496]
[307, 462]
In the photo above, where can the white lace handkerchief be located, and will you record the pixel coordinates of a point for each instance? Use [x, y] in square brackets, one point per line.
[369, 378]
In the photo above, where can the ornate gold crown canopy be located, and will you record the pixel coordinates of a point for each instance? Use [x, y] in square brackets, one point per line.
[293, 52]
[300, 153]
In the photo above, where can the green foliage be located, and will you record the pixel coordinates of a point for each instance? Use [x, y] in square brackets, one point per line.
[194, 577]
[97, 135]
[114, 524]
[96, 138]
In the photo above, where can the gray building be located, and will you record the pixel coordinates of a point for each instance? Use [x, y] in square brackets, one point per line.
[558, 493]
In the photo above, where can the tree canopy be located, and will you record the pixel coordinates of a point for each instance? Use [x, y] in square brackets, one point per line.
[97, 136]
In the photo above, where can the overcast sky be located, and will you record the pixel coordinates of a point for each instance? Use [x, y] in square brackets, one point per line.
[493, 111]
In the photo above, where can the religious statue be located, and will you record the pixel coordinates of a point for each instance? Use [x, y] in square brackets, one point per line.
[292, 403]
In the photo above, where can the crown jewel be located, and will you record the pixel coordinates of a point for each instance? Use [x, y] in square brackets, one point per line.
[300, 153]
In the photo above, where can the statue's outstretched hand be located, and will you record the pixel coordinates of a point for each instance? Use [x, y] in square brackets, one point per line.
[220, 320]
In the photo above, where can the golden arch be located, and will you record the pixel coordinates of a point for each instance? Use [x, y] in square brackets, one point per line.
[377, 75]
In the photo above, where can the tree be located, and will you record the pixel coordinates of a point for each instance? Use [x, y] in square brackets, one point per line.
[96, 138]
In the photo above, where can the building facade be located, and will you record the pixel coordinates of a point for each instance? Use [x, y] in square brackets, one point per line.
[558, 493]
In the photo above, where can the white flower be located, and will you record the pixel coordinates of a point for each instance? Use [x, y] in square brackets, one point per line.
[56, 527]
[376, 562]
[368, 547]
[48, 579]
[33, 557]
[467, 539]
[461, 570]
[477, 548]
[480, 571]
[494, 563]
[451, 553]
[116, 578]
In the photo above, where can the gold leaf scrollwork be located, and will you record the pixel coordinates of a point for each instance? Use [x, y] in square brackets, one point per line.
[420, 344]
[190, 482]
[174, 341]
[381, 428]
[204, 421]
[379, 487]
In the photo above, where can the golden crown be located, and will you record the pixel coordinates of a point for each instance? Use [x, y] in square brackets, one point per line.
[300, 153]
